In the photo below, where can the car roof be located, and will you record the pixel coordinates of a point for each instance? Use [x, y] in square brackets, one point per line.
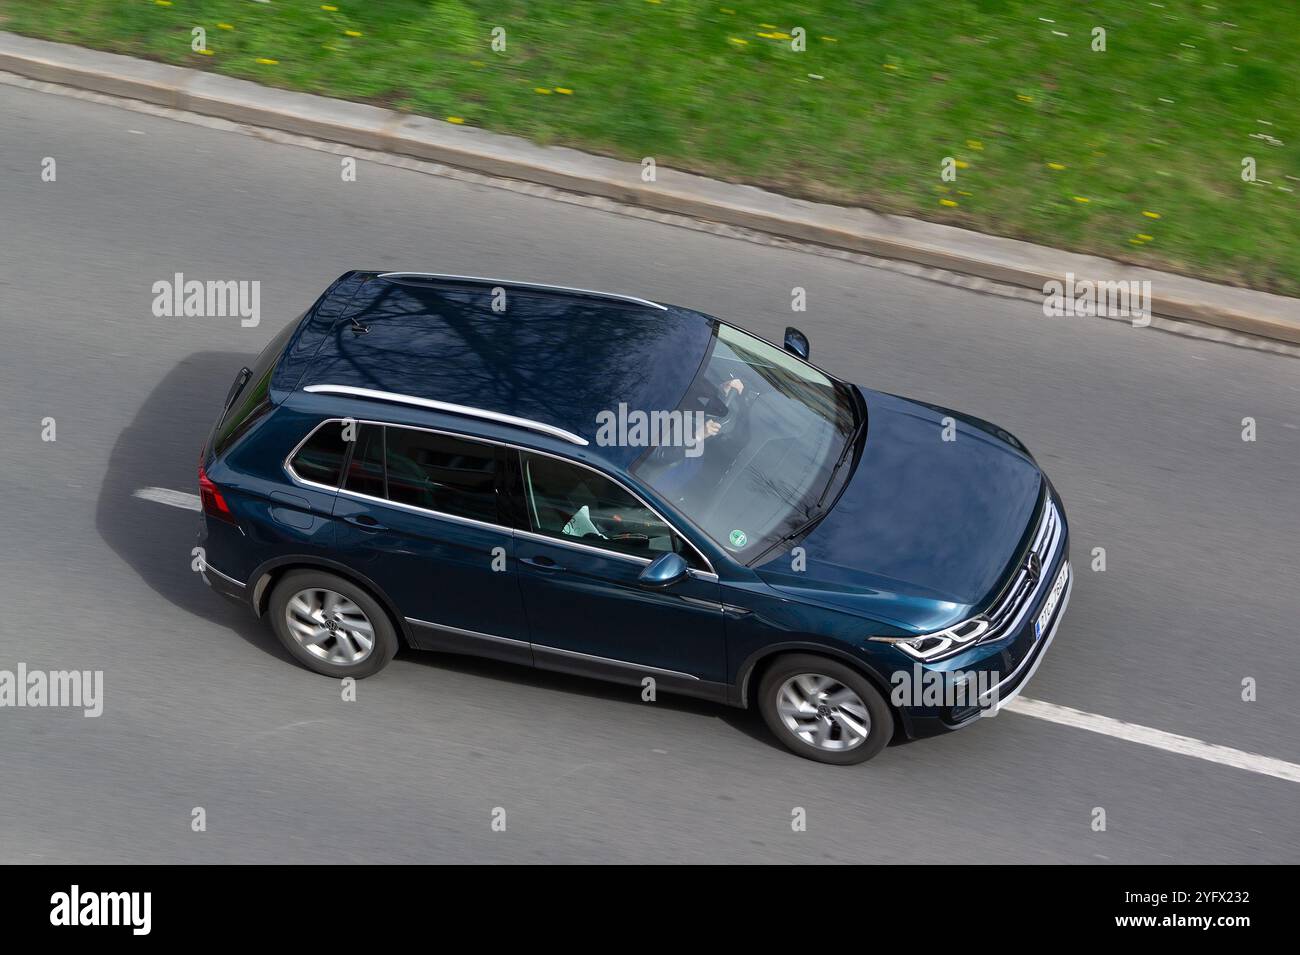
[554, 356]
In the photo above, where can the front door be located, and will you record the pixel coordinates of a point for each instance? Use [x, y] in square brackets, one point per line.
[582, 542]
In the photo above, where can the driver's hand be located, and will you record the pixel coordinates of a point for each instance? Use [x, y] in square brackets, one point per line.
[735, 384]
[711, 428]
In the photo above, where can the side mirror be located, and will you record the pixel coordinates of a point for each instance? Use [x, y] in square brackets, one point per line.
[664, 570]
[796, 342]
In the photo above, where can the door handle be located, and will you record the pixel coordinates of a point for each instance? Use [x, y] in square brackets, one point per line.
[541, 562]
[365, 522]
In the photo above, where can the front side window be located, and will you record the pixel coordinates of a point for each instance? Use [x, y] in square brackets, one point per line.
[772, 428]
[576, 504]
[320, 459]
[440, 473]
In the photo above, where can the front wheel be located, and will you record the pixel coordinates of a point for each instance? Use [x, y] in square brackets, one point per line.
[824, 710]
[331, 625]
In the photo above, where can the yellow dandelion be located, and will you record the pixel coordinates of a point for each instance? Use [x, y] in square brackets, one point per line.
[768, 26]
[728, 11]
[267, 62]
[1056, 165]
[225, 26]
[456, 119]
[329, 8]
[1151, 215]
[830, 39]
[947, 202]
[1146, 238]
[963, 192]
[737, 40]
[1082, 199]
[564, 91]
[1023, 98]
[163, 3]
[890, 66]
[204, 52]
[974, 144]
[542, 90]
[962, 164]
[352, 33]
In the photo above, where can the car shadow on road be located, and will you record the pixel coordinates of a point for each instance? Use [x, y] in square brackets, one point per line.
[160, 448]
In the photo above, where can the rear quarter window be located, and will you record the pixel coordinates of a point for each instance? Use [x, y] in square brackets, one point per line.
[320, 459]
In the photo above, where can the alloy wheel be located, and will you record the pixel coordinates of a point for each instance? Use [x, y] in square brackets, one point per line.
[823, 712]
[330, 626]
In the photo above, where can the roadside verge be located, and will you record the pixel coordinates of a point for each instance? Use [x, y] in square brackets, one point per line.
[1002, 260]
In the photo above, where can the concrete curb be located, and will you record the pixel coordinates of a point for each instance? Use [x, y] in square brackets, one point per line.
[1007, 261]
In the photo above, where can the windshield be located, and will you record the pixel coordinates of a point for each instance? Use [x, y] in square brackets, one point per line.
[771, 430]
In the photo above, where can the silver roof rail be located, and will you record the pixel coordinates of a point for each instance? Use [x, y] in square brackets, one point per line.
[529, 285]
[466, 410]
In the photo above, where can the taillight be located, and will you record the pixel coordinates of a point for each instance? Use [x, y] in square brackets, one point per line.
[214, 505]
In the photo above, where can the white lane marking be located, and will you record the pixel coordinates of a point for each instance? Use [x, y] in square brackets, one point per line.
[163, 495]
[1146, 736]
[1038, 709]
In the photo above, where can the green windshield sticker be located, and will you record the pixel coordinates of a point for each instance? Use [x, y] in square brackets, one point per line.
[738, 538]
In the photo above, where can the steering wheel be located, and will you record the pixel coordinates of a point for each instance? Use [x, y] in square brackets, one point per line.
[732, 399]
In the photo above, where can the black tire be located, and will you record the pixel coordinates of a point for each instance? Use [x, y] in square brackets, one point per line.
[878, 734]
[385, 636]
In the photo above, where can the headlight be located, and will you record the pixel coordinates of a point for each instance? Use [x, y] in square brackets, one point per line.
[941, 643]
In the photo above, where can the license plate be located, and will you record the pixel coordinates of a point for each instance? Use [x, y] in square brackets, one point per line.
[1045, 617]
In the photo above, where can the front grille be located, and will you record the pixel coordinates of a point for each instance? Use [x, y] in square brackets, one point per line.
[1031, 577]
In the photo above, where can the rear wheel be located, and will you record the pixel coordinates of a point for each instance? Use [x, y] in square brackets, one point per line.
[824, 710]
[331, 625]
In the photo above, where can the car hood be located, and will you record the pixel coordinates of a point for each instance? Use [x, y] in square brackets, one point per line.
[926, 528]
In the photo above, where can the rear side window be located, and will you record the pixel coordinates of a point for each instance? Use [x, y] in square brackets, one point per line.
[366, 469]
[441, 473]
[320, 460]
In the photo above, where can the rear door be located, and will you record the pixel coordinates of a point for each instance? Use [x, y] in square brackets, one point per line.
[582, 541]
[419, 514]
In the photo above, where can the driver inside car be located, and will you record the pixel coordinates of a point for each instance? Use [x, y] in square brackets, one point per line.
[689, 474]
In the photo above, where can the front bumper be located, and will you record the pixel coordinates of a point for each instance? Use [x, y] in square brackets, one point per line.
[991, 676]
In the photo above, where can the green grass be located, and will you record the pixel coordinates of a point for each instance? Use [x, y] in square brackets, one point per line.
[1159, 123]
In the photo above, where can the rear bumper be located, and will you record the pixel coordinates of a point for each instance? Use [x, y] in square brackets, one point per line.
[223, 583]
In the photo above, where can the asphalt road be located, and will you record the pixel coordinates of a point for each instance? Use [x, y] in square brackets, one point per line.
[1140, 430]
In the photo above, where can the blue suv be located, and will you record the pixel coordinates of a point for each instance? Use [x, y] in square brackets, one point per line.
[612, 487]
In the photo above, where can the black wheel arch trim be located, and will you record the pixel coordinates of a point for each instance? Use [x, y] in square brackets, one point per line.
[261, 575]
[740, 688]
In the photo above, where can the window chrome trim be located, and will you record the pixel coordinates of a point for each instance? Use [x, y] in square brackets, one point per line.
[708, 575]
[449, 408]
[505, 283]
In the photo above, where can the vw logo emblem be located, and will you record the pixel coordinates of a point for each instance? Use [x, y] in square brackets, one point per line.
[1034, 568]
